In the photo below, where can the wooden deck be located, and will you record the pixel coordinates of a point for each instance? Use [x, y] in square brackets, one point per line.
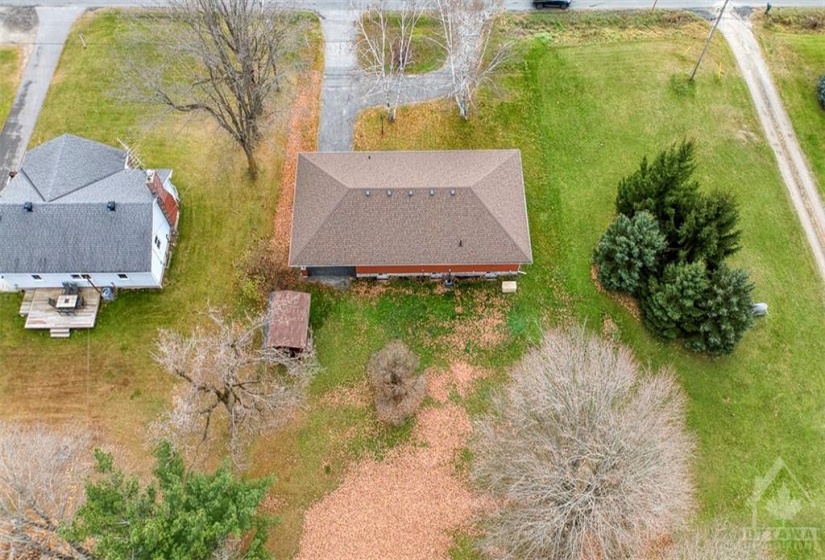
[40, 315]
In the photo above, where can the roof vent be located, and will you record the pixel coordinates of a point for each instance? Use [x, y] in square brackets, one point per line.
[432, 192]
[28, 206]
[111, 205]
[409, 193]
[452, 192]
[367, 192]
[389, 193]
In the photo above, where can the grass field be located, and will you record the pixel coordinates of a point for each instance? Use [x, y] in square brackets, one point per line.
[10, 72]
[584, 102]
[793, 43]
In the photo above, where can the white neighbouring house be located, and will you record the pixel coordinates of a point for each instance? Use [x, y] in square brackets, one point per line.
[78, 212]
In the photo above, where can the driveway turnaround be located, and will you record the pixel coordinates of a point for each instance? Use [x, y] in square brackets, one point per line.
[53, 28]
[778, 129]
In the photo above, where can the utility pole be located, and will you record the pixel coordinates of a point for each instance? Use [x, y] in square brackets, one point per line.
[707, 43]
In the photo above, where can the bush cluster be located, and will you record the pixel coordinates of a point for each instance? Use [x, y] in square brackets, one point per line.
[667, 247]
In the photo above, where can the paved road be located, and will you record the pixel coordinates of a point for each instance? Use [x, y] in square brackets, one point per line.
[53, 27]
[797, 175]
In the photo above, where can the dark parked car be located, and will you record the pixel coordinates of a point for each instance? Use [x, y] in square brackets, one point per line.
[561, 4]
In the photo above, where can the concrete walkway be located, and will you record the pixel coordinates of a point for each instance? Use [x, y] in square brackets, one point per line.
[53, 28]
[779, 131]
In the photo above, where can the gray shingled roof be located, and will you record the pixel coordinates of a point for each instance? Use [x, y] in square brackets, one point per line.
[70, 180]
[466, 207]
[68, 163]
[80, 237]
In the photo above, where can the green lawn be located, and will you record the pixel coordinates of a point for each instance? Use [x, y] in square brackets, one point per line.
[584, 103]
[793, 43]
[10, 72]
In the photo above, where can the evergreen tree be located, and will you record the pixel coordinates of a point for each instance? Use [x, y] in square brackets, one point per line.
[727, 312]
[664, 188]
[671, 305]
[710, 233]
[629, 252]
[180, 515]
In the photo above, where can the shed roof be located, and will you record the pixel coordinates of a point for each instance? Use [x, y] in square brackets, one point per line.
[288, 324]
[410, 208]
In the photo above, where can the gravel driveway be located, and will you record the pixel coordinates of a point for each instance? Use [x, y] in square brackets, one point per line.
[797, 175]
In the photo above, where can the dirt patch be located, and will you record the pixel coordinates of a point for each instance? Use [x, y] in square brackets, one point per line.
[625, 300]
[407, 506]
[459, 378]
[303, 137]
[486, 326]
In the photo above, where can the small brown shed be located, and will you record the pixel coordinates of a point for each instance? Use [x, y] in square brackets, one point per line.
[288, 325]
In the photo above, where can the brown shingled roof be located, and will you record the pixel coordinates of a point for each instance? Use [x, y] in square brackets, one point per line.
[288, 324]
[410, 208]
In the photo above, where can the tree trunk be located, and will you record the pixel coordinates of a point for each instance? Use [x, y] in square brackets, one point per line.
[252, 165]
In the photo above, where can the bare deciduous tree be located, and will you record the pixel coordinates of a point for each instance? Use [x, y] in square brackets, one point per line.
[385, 43]
[467, 27]
[719, 542]
[220, 57]
[41, 486]
[588, 458]
[230, 382]
[399, 391]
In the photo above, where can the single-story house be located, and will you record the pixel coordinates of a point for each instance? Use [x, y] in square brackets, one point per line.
[79, 212]
[287, 326]
[381, 214]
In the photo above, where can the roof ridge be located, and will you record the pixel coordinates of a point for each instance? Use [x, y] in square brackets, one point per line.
[476, 189]
[29, 179]
[507, 234]
[57, 161]
[87, 185]
[331, 211]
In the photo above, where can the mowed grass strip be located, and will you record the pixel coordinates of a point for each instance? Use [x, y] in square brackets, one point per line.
[584, 112]
[10, 71]
[793, 43]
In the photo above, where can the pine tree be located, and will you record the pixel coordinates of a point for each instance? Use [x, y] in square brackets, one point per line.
[628, 252]
[179, 515]
[710, 233]
[671, 306]
[726, 310]
[664, 188]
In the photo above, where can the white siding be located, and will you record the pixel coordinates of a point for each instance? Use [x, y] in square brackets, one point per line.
[5, 286]
[161, 231]
[132, 280]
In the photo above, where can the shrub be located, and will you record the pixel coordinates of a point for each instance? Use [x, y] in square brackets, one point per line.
[726, 312]
[820, 90]
[628, 252]
[587, 457]
[670, 307]
[398, 390]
